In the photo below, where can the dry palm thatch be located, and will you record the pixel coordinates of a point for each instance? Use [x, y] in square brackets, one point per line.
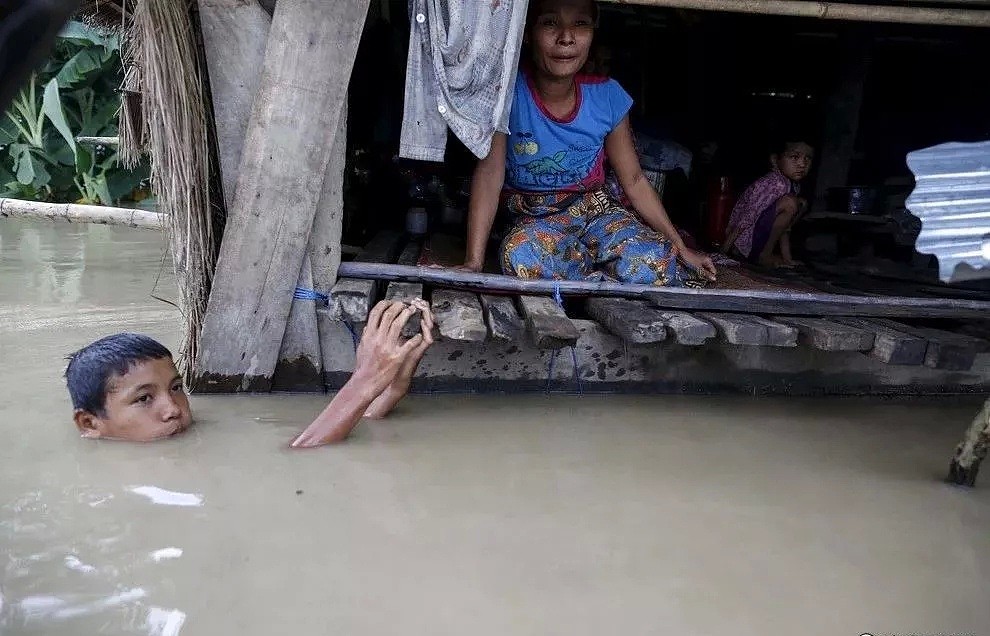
[162, 65]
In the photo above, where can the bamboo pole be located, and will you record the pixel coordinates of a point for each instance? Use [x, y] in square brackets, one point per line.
[98, 141]
[941, 16]
[751, 301]
[76, 213]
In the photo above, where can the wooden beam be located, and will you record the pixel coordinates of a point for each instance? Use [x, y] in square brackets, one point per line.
[503, 319]
[633, 321]
[892, 346]
[737, 329]
[547, 324]
[733, 300]
[300, 359]
[828, 335]
[406, 292]
[459, 315]
[778, 334]
[972, 450]
[351, 298]
[687, 329]
[235, 33]
[292, 129]
[325, 249]
[946, 350]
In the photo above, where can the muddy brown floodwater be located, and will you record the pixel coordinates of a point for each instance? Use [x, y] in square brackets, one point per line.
[460, 515]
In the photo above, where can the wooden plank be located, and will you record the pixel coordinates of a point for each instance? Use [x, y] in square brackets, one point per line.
[235, 33]
[946, 350]
[325, 247]
[502, 317]
[756, 301]
[458, 315]
[407, 292]
[687, 329]
[547, 324]
[891, 346]
[633, 321]
[300, 360]
[828, 335]
[352, 298]
[737, 329]
[778, 334]
[293, 123]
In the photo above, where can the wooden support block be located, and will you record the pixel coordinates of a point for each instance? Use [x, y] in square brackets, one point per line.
[406, 292]
[891, 346]
[827, 335]
[502, 317]
[687, 329]
[778, 334]
[548, 325]
[737, 329]
[458, 315]
[300, 359]
[633, 321]
[351, 298]
[946, 350]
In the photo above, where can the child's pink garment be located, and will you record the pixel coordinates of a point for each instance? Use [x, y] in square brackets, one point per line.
[755, 200]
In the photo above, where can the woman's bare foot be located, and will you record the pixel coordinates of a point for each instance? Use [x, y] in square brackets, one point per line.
[772, 261]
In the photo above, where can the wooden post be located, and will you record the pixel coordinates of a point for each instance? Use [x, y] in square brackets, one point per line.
[972, 450]
[292, 131]
[235, 33]
[842, 117]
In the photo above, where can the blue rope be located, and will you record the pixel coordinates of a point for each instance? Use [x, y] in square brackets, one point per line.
[553, 359]
[302, 293]
[577, 373]
[556, 294]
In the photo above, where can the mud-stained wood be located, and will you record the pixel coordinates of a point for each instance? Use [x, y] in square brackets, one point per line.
[971, 452]
[737, 329]
[300, 360]
[290, 135]
[458, 315]
[547, 324]
[828, 335]
[406, 292]
[891, 346]
[778, 334]
[946, 351]
[502, 317]
[352, 298]
[687, 329]
[633, 321]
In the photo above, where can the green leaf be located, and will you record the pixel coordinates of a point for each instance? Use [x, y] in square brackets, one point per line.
[24, 165]
[80, 67]
[84, 160]
[101, 190]
[8, 130]
[41, 175]
[53, 110]
[82, 32]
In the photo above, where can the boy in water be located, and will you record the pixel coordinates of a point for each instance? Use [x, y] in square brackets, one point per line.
[126, 386]
[762, 218]
[565, 126]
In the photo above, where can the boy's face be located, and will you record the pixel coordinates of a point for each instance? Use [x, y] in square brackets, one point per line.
[561, 36]
[795, 162]
[146, 403]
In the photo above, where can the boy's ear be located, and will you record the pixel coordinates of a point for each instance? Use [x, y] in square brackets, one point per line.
[87, 423]
[773, 160]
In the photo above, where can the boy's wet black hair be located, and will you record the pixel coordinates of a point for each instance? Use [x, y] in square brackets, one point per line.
[91, 368]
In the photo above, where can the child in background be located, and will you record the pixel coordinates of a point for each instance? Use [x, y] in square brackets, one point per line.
[762, 218]
[126, 387]
[564, 127]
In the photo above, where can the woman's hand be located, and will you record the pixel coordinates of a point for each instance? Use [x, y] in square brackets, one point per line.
[699, 262]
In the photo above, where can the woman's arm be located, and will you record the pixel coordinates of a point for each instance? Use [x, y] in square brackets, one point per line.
[622, 155]
[486, 187]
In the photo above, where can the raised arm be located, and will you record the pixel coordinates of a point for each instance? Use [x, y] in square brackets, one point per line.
[486, 187]
[622, 155]
[380, 356]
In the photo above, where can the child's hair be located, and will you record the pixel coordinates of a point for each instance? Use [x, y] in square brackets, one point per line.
[91, 367]
[781, 141]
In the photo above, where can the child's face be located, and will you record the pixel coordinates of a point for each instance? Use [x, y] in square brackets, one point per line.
[146, 403]
[795, 162]
[561, 35]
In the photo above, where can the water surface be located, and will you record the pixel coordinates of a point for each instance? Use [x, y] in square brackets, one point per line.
[460, 515]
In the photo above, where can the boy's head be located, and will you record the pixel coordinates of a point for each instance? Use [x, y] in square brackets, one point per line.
[559, 35]
[792, 158]
[126, 387]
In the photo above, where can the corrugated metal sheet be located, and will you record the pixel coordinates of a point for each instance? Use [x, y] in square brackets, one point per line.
[952, 199]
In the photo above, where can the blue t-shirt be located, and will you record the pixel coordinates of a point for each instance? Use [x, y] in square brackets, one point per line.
[547, 154]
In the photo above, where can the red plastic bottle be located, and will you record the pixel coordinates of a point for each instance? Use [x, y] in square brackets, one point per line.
[720, 202]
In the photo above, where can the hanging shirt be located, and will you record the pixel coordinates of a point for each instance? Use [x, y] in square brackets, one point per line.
[462, 63]
[545, 153]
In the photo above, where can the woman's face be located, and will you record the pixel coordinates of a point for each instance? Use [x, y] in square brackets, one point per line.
[560, 36]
